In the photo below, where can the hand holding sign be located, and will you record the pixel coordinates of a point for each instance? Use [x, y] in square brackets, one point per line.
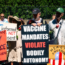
[39, 24]
[34, 24]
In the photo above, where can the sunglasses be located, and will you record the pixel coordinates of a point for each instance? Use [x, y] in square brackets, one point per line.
[2, 16]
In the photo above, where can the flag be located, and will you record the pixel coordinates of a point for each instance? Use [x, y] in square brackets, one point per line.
[58, 59]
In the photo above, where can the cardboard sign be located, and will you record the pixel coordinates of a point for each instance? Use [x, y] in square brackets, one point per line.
[56, 55]
[3, 46]
[10, 30]
[35, 46]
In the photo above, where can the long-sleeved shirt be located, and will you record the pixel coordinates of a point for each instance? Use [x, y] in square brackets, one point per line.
[52, 26]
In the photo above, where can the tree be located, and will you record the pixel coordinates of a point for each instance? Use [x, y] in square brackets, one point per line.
[23, 8]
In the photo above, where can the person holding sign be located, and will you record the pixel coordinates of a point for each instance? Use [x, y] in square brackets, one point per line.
[57, 25]
[36, 18]
[15, 50]
[36, 21]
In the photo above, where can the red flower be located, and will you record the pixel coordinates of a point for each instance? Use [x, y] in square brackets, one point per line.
[30, 21]
[19, 28]
[57, 25]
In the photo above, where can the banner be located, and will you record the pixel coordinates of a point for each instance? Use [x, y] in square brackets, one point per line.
[3, 46]
[10, 30]
[35, 46]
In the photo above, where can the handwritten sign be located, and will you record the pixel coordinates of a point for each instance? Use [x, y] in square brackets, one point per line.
[3, 46]
[35, 46]
[10, 30]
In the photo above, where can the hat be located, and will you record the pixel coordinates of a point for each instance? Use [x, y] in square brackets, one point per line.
[16, 18]
[60, 10]
[35, 11]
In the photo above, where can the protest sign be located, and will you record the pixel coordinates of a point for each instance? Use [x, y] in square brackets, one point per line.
[10, 30]
[35, 46]
[3, 46]
[56, 55]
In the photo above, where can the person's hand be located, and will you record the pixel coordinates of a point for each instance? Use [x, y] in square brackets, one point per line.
[39, 24]
[34, 24]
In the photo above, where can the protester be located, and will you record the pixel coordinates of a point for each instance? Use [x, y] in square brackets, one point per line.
[37, 20]
[3, 19]
[55, 24]
[15, 47]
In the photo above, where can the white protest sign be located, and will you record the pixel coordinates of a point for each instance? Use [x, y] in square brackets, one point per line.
[10, 30]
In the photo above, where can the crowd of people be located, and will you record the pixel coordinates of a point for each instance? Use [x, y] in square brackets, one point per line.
[15, 48]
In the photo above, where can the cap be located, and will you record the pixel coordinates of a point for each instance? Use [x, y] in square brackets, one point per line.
[60, 10]
[35, 11]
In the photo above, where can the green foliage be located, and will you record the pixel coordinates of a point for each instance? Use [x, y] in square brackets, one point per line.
[23, 8]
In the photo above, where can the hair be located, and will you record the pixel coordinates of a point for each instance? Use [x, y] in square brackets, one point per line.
[23, 22]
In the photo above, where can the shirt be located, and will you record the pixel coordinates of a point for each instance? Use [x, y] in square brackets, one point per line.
[5, 20]
[33, 21]
[19, 41]
[52, 26]
[39, 21]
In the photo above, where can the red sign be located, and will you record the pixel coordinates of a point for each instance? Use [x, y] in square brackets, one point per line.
[3, 46]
